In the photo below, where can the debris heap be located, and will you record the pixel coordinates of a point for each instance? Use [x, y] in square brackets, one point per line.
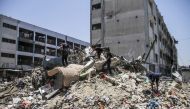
[126, 88]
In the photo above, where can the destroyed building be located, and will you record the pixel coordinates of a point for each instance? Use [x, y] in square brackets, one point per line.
[24, 44]
[129, 28]
[85, 86]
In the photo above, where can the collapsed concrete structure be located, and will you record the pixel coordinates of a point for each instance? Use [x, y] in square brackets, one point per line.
[86, 86]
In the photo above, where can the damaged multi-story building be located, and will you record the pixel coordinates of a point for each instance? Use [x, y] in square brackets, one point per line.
[26, 44]
[129, 28]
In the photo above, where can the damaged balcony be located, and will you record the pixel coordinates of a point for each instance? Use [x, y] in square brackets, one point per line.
[26, 35]
[39, 49]
[25, 47]
[51, 51]
[24, 60]
[59, 41]
[51, 40]
[40, 37]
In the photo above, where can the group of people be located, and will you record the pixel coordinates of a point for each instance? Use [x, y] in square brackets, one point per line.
[153, 77]
[98, 51]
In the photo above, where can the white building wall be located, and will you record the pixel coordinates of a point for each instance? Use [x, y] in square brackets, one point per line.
[14, 34]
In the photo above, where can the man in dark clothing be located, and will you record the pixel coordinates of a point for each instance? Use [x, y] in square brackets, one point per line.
[154, 77]
[65, 53]
[108, 60]
[98, 50]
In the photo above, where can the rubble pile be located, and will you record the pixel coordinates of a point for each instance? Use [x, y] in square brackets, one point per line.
[133, 91]
[86, 86]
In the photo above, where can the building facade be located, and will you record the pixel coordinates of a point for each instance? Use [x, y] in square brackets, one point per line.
[129, 28]
[26, 44]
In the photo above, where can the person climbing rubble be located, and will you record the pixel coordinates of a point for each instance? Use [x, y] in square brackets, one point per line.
[65, 53]
[108, 61]
[154, 77]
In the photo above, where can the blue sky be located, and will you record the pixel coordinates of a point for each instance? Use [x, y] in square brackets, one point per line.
[72, 17]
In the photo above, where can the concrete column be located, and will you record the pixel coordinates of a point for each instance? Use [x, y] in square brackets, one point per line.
[16, 53]
[56, 47]
[45, 44]
[34, 38]
[0, 38]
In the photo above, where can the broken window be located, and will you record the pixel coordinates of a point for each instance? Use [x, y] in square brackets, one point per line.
[6, 25]
[154, 18]
[155, 37]
[8, 40]
[160, 38]
[39, 49]
[163, 27]
[7, 55]
[70, 44]
[25, 47]
[151, 24]
[51, 40]
[59, 41]
[37, 61]
[151, 5]
[51, 51]
[24, 60]
[40, 37]
[96, 6]
[109, 15]
[159, 21]
[26, 34]
[96, 26]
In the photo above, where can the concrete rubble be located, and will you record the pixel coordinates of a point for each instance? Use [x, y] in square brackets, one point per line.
[85, 86]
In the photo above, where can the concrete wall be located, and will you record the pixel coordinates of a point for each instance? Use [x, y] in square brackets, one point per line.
[129, 27]
[123, 26]
[7, 47]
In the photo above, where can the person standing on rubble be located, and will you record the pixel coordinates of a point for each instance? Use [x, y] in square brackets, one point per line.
[98, 50]
[108, 60]
[65, 53]
[154, 77]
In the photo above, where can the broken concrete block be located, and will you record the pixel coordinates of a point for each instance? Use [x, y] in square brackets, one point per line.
[90, 71]
[53, 71]
[98, 64]
[16, 100]
[115, 61]
[87, 66]
[70, 73]
[111, 80]
[177, 75]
